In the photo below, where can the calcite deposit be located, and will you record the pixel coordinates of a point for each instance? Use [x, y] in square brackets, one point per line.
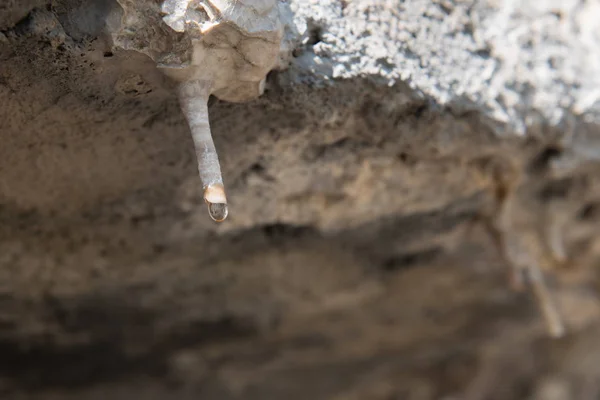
[224, 48]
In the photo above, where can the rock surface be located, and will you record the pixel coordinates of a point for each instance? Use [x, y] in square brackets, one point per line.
[371, 189]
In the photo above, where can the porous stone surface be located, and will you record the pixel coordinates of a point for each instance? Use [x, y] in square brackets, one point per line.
[371, 189]
[516, 62]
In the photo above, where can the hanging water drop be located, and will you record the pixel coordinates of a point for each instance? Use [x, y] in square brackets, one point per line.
[218, 211]
[214, 196]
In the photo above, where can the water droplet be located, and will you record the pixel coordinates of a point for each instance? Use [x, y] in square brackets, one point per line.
[217, 211]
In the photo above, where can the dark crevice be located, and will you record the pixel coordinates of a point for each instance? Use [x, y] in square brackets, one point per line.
[315, 35]
[282, 231]
[413, 228]
[411, 259]
[589, 212]
[483, 53]
[542, 160]
[557, 189]
[331, 151]
[407, 158]
[23, 26]
[445, 7]
[257, 169]
[39, 364]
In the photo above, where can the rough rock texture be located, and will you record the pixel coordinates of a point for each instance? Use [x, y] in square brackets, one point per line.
[370, 199]
[517, 62]
[11, 11]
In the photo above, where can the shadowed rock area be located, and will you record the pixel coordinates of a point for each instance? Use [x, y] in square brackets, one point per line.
[378, 212]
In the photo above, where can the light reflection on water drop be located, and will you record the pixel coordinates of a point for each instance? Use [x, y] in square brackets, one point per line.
[218, 211]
